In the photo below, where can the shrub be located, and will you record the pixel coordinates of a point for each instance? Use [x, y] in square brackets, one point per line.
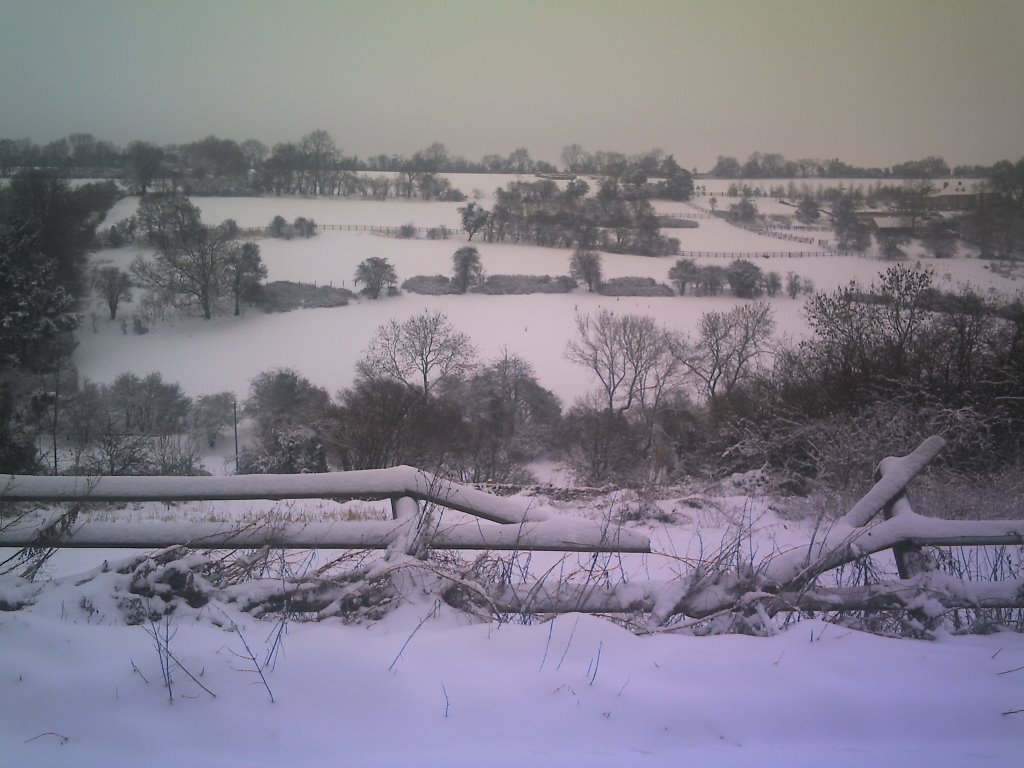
[523, 284]
[429, 285]
[305, 227]
[284, 296]
[230, 228]
[407, 231]
[745, 279]
[452, 196]
[278, 227]
[634, 286]
[671, 222]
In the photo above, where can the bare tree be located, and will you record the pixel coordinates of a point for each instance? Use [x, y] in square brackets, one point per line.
[144, 163]
[466, 268]
[192, 268]
[630, 356]
[421, 351]
[585, 265]
[728, 347]
[321, 154]
[572, 157]
[243, 269]
[113, 285]
[255, 152]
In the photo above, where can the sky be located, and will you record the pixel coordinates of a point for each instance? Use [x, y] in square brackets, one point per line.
[872, 82]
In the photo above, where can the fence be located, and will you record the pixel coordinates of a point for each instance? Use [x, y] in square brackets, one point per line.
[784, 581]
[413, 494]
[763, 254]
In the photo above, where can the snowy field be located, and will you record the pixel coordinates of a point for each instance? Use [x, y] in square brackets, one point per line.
[578, 691]
[325, 344]
[81, 689]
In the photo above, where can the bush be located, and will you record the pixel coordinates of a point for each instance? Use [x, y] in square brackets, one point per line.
[671, 222]
[278, 227]
[407, 231]
[745, 279]
[284, 296]
[438, 233]
[304, 227]
[634, 286]
[230, 228]
[523, 284]
[452, 196]
[429, 285]
[291, 451]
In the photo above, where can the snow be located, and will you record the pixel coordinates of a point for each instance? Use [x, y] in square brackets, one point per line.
[426, 687]
[575, 691]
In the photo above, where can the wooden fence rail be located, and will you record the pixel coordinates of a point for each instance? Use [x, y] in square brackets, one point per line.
[519, 525]
[783, 581]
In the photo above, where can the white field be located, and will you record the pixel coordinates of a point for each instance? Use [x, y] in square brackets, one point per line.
[575, 691]
[325, 344]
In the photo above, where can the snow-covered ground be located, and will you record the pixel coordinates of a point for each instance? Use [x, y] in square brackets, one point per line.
[431, 686]
[325, 344]
[577, 691]
[80, 688]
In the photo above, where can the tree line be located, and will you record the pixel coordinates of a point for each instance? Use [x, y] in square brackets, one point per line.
[881, 365]
[772, 165]
[619, 218]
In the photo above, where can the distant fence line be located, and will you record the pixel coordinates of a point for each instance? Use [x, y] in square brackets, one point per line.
[764, 254]
[806, 228]
[681, 216]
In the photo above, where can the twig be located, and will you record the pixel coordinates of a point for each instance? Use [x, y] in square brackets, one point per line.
[566, 651]
[597, 663]
[63, 739]
[1013, 711]
[252, 658]
[138, 671]
[447, 703]
[185, 670]
[547, 645]
[410, 637]
[1008, 671]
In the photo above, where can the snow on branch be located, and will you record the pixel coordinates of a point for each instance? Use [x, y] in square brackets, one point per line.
[896, 472]
[844, 544]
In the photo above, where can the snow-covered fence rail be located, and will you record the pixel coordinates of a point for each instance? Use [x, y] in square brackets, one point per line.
[789, 581]
[510, 523]
[742, 596]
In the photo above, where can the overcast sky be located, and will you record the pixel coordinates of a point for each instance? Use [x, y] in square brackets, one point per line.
[872, 82]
